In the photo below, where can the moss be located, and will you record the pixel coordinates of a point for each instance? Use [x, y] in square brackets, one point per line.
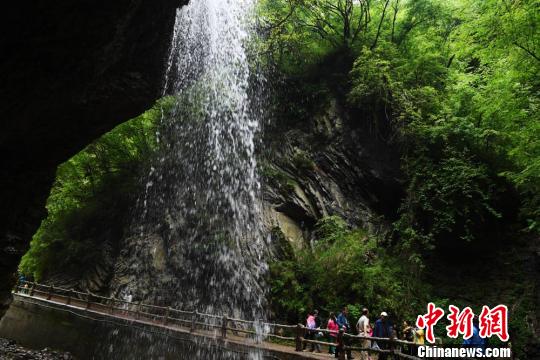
[277, 178]
[284, 249]
[302, 160]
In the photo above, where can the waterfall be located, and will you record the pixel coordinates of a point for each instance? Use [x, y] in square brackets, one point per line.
[196, 238]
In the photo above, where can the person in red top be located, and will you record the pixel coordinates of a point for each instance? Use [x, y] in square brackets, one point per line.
[334, 328]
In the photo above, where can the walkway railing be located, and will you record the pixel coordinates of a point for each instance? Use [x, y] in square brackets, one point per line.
[222, 326]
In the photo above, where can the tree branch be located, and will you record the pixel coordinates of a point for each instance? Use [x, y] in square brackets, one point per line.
[527, 50]
[380, 25]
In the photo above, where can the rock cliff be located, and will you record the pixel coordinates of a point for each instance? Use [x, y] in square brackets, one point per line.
[70, 72]
[329, 163]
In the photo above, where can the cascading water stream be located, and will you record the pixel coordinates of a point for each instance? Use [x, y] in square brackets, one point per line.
[196, 240]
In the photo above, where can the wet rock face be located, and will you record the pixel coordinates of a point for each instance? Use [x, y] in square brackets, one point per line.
[328, 167]
[319, 168]
[70, 71]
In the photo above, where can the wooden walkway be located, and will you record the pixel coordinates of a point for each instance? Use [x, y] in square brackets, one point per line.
[287, 340]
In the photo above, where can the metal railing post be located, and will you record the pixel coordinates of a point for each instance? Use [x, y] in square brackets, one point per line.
[87, 300]
[257, 335]
[224, 323]
[68, 301]
[193, 317]
[299, 336]
[340, 346]
[138, 311]
[392, 344]
[111, 304]
[32, 287]
[166, 318]
[49, 294]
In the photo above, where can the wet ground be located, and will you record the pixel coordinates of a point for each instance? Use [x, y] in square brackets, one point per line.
[9, 350]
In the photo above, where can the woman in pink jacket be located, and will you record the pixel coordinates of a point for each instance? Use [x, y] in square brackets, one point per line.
[310, 331]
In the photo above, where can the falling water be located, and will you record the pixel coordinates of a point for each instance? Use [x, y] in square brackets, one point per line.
[202, 246]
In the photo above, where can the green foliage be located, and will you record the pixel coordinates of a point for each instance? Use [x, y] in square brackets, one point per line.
[299, 33]
[457, 84]
[277, 178]
[372, 80]
[448, 198]
[466, 116]
[90, 195]
[456, 81]
[519, 325]
[302, 160]
[344, 267]
[329, 230]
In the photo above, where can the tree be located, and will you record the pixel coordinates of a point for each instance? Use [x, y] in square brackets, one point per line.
[90, 197]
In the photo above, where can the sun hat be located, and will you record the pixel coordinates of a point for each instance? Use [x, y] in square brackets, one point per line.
[384, 313]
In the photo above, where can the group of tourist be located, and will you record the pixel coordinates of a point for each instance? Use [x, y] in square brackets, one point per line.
[382, 328]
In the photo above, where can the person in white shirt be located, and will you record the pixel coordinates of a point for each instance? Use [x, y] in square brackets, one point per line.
[128, 298]
[362, 326]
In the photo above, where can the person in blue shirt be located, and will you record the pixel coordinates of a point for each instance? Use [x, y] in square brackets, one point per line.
[475, 341]
[383, 329]
[342, 320]
[343, 323]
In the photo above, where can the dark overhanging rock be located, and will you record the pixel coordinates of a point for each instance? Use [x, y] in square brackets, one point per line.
[70, 71]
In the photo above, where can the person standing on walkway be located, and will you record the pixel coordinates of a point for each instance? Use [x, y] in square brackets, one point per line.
[343, 323]
[362, 326]
[128, 298]
[383, 329]
[310, 331]
[418, 336]
[408, 335]
[370, 334]
[334, 328]
[475, 341]
[317, 334]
